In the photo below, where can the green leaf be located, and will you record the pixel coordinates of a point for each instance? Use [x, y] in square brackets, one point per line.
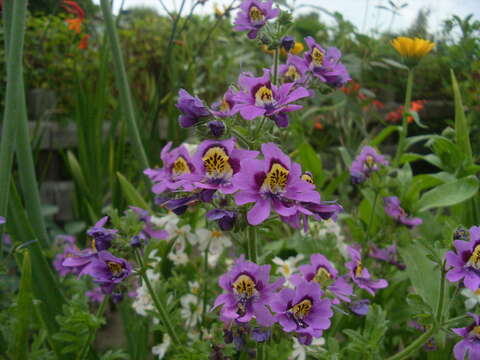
[310, 161]
[132, 195]
[385, 133]
[23, 313]
[449, 194]
[423, 273]
[461, 127]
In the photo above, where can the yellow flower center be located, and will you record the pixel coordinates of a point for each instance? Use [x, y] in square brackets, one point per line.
[476, 331]
[358, 269]
[286, 269]
[276, 179]
[308, 178]
[217, 234]
[475, 258]
[322, 275]
[244, 286]
[224, 106]
[263, 96]
[370, 161]
[317, 56]
[256, 15]
[292, 74]
[114, 267]
[216, 162]
[477, 292]
[180, 166]
[301, 310]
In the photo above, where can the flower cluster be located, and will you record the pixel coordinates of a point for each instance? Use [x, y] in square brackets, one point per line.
[397, 115]
[367, 162]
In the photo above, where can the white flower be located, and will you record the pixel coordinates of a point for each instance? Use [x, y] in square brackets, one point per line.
[287, 268]
[161, 349]
[300, 351]
[192, 148]
[143, 301]
[473, 298]
[168, 222]
[192, 305]
[178, 258]
[216, 241]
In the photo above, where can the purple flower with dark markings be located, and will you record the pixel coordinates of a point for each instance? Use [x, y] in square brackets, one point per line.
[217, 128]
[192, 109]
[321, 271]
[224, 218]
[465, 262]
[224, 107]
[288, 42]
[259, 97]
[274, 182]
[253, 16]
[360, 274]
[69, 249]
[107, 270]
[469, 346]
[101, 237]
[360, 307]
[303, 310]
[247, 292]
[294, 70]
[216, 163]
[367, 162]
[325, 64]
[78, 260]
[388, 255]
[395, 211]
[176, 165]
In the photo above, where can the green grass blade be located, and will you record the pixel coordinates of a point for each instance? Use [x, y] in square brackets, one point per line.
[132, 195]
[122, 81]
[461, 127]
[23, 313]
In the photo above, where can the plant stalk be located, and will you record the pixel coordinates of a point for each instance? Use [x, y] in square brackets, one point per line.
[162, 311]
[406, 110]
[92, 333]
[122, 81]
[252, 244]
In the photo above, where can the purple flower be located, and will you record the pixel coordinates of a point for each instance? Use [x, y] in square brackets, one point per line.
[225, 218]
[273, 182]
[360, 307]
[78, 260]
[469, 346]
[393, 209]
[101, 236]
[365, 164]
[325, 65]
[2, 220]
[69, 249]
[322, 272]
[261, 335]
[388, 255]
[96, 295]
[176, 165]
[149, 230]
[303, 310]
[259, 97]
[217, 162]
[360, 274]
[107, 270]
[465, 262]
[192, 109]
[224, 108]
[247, 292]
[217, 128]
[294, 70]
[253, 15]
[288, 42]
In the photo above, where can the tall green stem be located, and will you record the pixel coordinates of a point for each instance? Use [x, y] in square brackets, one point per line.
[276, 61]
[162, 311]
[15, 39]
[252, 244]
[261, 351]
[371, 216]
[406, 109]
[122, 81]
[84, 351]
[442, 297]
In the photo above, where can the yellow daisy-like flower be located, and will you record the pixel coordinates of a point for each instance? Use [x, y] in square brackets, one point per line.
[412, 47]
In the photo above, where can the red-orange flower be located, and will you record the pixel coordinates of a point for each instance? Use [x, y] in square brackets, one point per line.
[396, 115]
[84, 42]
[72, 7]
[351, 87]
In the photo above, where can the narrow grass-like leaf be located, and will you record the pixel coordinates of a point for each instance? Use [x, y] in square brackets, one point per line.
[461, 127]
[384, 134]
[132, 195]
[23, 313]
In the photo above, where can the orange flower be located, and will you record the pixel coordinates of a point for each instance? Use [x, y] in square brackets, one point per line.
[351, 87]
[84, 42]
[72, 7]
[75, 25]
[396, 116]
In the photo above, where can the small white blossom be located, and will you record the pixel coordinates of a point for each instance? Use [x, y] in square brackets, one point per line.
[216, 241]
[168, 222]
[473, 298]
[161, 349]
[288, 267]
[143, 301]
[300, 351]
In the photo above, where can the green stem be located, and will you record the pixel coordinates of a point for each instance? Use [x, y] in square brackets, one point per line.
[122, 81]
[162, 311]
[371, 216]
[414, 346]
[406, 109]
[442, 293]
[205, 284]
[83, 353]
[15, 35]
[261, 353]
[252, 244]
[276, 60]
